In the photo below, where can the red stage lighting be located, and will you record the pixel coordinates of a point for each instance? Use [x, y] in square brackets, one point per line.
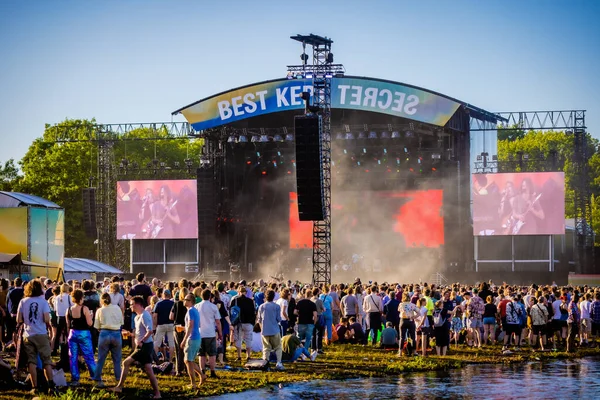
[264, 172]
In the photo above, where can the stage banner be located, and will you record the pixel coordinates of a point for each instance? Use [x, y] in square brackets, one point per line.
[352, 93]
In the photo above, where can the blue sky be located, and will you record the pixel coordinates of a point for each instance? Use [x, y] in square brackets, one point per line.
[136, 61]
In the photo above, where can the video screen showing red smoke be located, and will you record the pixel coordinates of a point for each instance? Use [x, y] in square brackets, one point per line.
[412, 219]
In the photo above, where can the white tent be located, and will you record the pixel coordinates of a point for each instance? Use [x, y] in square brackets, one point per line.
[82, 268]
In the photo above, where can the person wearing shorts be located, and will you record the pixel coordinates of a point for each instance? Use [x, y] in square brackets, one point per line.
[34, 312]
[144, 346]
[191, 341]
[210, 327]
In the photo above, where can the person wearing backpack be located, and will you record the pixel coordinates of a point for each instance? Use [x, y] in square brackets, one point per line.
[441, 329]
[243, 317]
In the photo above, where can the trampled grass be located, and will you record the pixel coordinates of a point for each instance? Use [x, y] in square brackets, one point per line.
[339, 362]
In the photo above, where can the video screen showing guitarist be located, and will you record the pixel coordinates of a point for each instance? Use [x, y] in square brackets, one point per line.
[164, 217]
[527, 212]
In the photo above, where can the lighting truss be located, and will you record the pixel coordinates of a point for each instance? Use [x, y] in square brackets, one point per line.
[322, 71]
[573, 122]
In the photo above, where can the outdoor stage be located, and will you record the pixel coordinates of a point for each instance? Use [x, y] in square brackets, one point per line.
[400, 167]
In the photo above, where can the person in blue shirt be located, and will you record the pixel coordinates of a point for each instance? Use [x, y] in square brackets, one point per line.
[269, 317]
[191, 341]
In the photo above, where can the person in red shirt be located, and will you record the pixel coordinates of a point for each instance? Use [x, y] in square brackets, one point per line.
[502, 308]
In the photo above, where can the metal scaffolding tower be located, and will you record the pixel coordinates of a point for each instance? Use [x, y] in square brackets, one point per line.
[321, 71]
[573, 122]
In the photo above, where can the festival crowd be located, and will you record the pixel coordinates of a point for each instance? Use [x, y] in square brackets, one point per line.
[184, 328]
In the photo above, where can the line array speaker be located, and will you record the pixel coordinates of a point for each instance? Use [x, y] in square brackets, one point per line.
[309, 177]
[207, 221]
[89, 212]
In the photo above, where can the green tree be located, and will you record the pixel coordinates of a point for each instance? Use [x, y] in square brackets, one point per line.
[9, 175]
[541, 146]
[59, 171]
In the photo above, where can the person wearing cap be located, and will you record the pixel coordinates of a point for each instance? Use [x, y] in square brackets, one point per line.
[164, 323]
[191, 341]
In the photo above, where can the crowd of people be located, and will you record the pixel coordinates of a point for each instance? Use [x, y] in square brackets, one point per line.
[186, 327]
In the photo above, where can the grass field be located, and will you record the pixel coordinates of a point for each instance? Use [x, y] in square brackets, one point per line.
[339, 362]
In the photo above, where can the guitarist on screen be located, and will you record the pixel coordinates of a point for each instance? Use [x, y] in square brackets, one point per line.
[164, 216]
[527, 210]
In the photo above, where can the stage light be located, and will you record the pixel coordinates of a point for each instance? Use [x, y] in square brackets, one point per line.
[278, 138]
[409, 134]
[254, 139]
[345, 151]
[433, 169]
[339, 136]
[242, 139]
[275, 164]
[258, 154]
[395, 135]
[263, 172]
[372, 135]
[263, 139]
[362, 135]
[384, 150]
[364, 150]
[289, 137]
[248, 162]
[411, 169]
[349, 136]
[398, 161]
[385, 135]
[405, 150]
[379, 162]
[231, 139]
[436, 156]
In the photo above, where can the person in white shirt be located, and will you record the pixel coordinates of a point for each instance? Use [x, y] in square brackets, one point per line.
[586, 321]
[210, 332]
[422, 324]
[283, 303]
[61, 304]
[373, 308]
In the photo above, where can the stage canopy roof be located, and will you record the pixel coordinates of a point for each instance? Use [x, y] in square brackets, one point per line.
[14, 199]
[347, 93]
[89, 266]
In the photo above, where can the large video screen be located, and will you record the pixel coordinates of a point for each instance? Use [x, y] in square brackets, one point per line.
[409, 219]
[525, 203]
[157, 209]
